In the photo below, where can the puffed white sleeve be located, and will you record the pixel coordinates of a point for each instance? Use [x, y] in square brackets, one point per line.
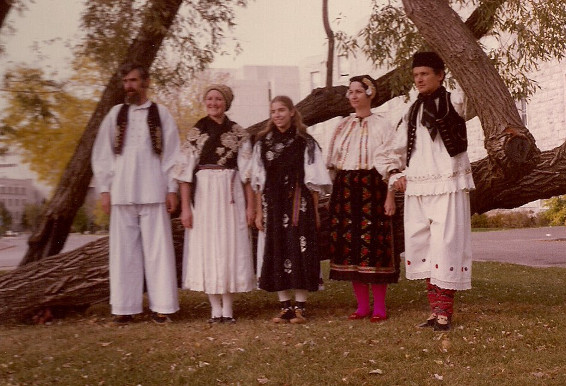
[258, 170]
[245, 161]
[316, 174]
[459, 101]
[171, 147]
[398, 149]
[386, 157]
[186, 161]
[103, 157]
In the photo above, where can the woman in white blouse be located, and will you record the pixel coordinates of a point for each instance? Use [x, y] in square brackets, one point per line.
[288, 175]
[361, 206]
[215, 165]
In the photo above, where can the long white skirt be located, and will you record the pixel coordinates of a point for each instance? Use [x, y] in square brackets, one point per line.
[217, 255]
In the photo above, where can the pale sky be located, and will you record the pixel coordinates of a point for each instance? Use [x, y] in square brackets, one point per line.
[271, 32]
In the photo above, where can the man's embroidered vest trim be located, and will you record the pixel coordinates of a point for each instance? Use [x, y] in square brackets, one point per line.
[153, 122]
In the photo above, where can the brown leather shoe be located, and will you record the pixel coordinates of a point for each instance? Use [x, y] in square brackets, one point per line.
[299, 317]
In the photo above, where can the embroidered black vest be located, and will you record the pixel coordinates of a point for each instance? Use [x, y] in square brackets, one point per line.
[153, 122]
[450, 125]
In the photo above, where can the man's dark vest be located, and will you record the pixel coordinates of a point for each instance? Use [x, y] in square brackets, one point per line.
[451, 127]
[153, 122]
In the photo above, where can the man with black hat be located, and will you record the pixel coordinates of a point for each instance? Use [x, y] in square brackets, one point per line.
[436, 181]
[132, 162]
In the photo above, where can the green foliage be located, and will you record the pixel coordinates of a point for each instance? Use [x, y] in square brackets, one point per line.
[556, 212]
[197, 35]
[508, 219]
[82, 221]
[523, 34]
[5, 219]
[43, 120]
[101, 220]
[480, 220]
[31, 216]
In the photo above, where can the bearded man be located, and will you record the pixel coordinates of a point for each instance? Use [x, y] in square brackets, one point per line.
[132, 160]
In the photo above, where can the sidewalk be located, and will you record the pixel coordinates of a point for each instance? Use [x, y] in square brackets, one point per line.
[535, 247]
[12, 249]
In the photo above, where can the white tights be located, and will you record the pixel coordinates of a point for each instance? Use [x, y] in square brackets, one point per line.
[300, 295]
[221, 305]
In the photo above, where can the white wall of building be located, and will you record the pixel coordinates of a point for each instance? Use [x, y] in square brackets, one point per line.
[253, 86]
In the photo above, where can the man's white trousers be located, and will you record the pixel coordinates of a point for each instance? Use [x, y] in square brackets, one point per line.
[141, 243]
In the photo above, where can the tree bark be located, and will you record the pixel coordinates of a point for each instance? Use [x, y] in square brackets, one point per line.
[330, 36]
[5, 6]
[546, 180]
[69, 195]
[510, 146]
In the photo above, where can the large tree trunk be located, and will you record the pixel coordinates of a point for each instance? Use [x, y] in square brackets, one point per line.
[5, 6]
[511, 148]
[547, 179]
[69, 195]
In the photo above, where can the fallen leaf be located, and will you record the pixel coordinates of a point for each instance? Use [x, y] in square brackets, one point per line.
[439, 377]
[376, 371]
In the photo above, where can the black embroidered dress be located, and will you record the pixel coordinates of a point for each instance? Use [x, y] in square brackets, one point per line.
[291, 256]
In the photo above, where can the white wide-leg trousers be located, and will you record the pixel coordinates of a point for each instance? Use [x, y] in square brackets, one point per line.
[141, 243]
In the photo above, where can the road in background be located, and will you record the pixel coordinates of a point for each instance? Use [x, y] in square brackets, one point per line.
[537, 247]
[13, 249]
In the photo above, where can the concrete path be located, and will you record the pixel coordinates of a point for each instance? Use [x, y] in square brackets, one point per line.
[13, 249]
[537, 247]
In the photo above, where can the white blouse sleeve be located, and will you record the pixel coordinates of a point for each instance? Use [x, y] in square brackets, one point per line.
[258, 170]
[385, 157]
[245, 161]
[186, 162]
[316, 175]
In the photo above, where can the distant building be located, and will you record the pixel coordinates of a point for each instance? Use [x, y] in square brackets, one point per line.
[254, 86]
[17, 188]
[15, 194]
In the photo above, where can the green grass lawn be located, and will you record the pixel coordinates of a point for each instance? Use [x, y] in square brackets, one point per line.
[509, 329]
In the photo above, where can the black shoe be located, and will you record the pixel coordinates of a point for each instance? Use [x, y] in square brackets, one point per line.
[442, 323]
[215, 320]
[228, 320]
[427, 323]
[285, 315]
[160, 318]
[123, 319]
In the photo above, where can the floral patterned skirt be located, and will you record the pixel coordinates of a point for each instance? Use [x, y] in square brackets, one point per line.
[361, 235]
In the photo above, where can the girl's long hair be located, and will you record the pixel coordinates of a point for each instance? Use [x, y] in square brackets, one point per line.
[296, 120]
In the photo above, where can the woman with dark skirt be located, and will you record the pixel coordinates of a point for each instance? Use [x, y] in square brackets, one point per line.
[361, 206]
[288, 176]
